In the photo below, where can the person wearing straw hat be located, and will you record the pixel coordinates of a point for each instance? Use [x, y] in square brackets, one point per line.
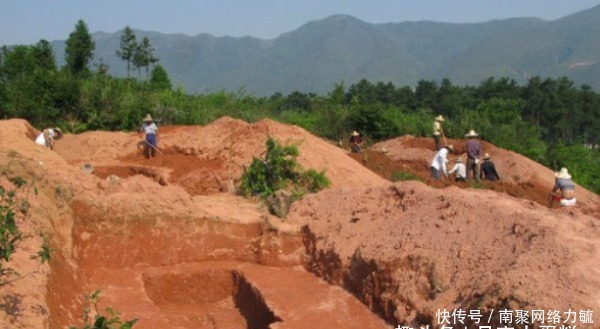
[438, 132]
[460, 169]
[564, 184]
[474, 151]
[151, 130]
[355, 142]
[48, 136]
[439, 162]
[488, 170]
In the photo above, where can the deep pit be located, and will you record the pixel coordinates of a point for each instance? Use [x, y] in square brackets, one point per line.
[192, 273]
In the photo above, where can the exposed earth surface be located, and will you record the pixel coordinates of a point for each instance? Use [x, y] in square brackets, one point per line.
[168, 240]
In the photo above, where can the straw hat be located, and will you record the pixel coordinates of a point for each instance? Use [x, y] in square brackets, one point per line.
[148, 118]
[87, 168]
[563, 173]
[439, 118]
[458, 160]
[58, 132]
[486, 156]
[472, 133]
[450, 147]
[354, 133]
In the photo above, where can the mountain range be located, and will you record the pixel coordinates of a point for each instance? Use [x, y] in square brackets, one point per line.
[340, 48]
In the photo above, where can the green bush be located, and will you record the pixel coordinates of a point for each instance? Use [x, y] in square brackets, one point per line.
[110, 321]
[279, 170]
[9, 232]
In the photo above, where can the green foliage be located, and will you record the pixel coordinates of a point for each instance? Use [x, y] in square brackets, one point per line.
[404, 176]
[45, 252]
[144, 56]
[79, 49]
[127, 48]
[499, 121]
[111, 320]
[279, 170]
[9, 232]
[583, 164]
[159, 78]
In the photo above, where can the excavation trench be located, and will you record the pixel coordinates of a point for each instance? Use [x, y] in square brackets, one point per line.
[192, 273]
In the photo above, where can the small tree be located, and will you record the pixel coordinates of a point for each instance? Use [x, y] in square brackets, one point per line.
[127, 48]
[79, 48]
[144, 56]
[110, 321]
[160, 78]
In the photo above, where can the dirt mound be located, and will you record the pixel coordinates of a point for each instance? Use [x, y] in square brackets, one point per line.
[204, 159]
[166, 244]
[521, 177]
[408, 250]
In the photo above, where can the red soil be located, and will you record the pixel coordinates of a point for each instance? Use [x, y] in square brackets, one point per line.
[167, 242]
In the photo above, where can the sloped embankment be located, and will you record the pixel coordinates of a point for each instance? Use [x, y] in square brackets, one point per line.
[408, 250]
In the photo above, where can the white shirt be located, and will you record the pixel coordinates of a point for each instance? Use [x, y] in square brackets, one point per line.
[149, 128]
[41, 140]
[461, 170]
[440, 160]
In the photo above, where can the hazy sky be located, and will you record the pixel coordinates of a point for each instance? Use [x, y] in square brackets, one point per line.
[28, 21]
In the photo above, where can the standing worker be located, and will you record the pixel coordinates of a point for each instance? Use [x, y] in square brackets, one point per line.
[474, 151]
[151, 130]
[563, 182]
[355, 142]
[438, 132]
[439, 162]
[48, 136]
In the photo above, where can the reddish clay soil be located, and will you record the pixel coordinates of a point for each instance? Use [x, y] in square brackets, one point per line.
[169, 242]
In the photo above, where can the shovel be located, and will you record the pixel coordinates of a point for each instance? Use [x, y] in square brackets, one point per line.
[154, 147]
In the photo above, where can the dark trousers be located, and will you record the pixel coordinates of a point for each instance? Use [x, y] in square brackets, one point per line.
[438, 142]
[472, 169]
[435, 173]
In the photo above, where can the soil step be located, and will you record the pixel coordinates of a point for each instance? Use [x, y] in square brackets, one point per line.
[227, 294]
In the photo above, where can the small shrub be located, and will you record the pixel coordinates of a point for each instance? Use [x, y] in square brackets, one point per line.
[109, 321]
[9, 232]
[279, 170]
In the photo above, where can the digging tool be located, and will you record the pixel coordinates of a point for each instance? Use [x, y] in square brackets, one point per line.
[154, 147]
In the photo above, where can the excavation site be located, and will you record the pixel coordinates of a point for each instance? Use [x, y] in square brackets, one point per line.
[171, 242]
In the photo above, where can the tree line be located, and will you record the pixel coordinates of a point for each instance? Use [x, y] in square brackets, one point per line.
[548, 120]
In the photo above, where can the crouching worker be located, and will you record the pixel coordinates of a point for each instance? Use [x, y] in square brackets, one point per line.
[151, 130]
[566, 187]
[439, 162]
[48, 136]
[460, 169]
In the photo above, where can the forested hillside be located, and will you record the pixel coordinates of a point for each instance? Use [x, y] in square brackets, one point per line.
[549, 120]
[321, 53]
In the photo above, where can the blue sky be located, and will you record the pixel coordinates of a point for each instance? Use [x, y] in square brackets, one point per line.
[28, 21]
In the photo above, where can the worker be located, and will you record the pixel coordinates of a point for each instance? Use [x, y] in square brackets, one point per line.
[355, 142]
[438, 132]
[460, 169]
[474, 151]
[439, 162]
[151, 130]
[488, 170]
[566, 187]
[48, 136]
